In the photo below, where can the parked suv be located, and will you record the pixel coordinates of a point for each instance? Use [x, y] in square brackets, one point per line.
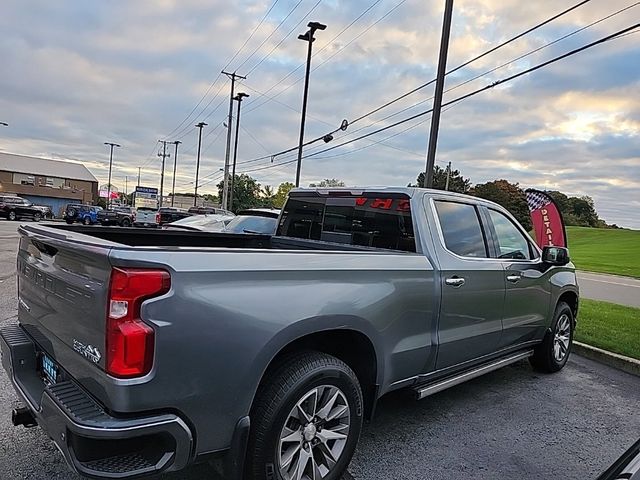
[13, 207]
[86, 214]
[170, 214]
[123, 216]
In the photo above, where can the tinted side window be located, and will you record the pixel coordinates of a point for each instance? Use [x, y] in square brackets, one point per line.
[366, 221]
[510, 241]
[461, 229]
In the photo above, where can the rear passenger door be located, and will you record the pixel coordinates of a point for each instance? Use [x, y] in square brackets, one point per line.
[472, 284]
[528, 289]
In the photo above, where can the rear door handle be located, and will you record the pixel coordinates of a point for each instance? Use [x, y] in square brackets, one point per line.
[454, 281]
[513, 278]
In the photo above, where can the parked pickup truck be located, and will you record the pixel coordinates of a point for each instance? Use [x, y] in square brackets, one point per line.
[141, 351]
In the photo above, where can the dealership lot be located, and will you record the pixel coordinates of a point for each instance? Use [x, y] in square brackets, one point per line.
[513, 423]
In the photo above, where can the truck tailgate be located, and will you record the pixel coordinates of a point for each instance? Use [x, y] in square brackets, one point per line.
[63, 285]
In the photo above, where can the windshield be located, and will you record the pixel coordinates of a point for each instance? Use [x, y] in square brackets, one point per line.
[202, 222]
[252, 224]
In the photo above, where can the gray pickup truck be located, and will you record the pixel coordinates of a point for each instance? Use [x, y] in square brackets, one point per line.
[144, 351]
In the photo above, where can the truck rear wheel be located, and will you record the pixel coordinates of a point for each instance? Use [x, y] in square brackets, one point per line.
[306, 420]
[126, 222]
[552, 354]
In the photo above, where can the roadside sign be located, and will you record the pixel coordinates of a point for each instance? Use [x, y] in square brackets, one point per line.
[145, 197]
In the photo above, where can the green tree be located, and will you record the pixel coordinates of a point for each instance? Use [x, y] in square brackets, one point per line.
[507, 194]
[328, 182]
[281, 195]
[267, 196]
[246, 192]
[457, 183]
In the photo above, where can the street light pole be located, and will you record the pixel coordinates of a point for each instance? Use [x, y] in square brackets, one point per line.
[195, 194]
[437, 98]
[237, 98]
[111, 145]
[175, 163]
[308, 37]
[164, 155]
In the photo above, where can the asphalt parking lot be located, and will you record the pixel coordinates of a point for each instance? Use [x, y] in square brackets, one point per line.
[513, 423]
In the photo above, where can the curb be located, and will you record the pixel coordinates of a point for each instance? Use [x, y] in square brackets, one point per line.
[615, 360]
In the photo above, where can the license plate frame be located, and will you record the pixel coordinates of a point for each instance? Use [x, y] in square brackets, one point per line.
[49, 369]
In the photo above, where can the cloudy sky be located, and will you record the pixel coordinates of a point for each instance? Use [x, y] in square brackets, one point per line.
[76, 74]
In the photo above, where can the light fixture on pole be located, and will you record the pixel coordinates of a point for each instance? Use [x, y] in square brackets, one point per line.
[111, 145]
[195, 193]
[4, 124]
[175, 163]
[307, 37]
[238, 98]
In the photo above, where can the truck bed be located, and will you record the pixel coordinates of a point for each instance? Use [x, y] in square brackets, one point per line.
[153, 237]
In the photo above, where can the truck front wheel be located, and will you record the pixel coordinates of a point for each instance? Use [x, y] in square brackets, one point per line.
[306, 420]
[552, 354]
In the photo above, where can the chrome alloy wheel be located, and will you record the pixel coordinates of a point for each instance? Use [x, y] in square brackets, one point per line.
[314, 434]
[562, 337]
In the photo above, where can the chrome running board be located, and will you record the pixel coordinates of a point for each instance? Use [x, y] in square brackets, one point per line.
[438, 386]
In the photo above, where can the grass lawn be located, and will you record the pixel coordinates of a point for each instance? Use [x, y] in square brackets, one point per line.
[605, 250]
[609, 326]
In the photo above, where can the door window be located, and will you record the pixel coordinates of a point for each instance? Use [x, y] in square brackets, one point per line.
[461, 229]
[510, 242]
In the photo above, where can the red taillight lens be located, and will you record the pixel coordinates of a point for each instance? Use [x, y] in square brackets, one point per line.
[130, 341]
[158, 218]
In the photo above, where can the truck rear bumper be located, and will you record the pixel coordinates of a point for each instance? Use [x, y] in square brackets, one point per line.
[93, 442]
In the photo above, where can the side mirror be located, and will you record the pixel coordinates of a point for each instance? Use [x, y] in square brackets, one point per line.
[555, 255]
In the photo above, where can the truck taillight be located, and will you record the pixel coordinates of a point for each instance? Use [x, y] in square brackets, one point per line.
[130, 341]
[158, 216]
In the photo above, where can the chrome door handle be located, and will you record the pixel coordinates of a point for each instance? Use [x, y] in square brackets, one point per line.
[513, 278]
[454, 281]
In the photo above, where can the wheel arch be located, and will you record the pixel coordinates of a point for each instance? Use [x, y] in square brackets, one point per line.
[351, 345]
[570, 298]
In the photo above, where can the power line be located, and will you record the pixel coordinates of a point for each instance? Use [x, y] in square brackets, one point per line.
[295, 7]
[295, 27]
[617, 34]
[487, 87]
[186, 119]
[487, 72]
[476, 58]
[394, 8]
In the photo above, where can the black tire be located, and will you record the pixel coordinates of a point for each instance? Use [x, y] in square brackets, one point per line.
[69, 221]
[545, 357]
[125, 222]
[12, 215]
[37, 217]
[71, 212]
[86, 221]
[279, 393]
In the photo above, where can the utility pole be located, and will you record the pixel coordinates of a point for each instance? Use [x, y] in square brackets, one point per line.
[175, 163]
[139, 168]
[237, 98]
[164, 155]
[225, 187]
[110, 144]
[195, 193]
[437, 99]
[446, 184]
[308, 37]
[126, 188]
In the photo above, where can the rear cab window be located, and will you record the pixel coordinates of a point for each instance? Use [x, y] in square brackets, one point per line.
[380, 220]
[461, 229]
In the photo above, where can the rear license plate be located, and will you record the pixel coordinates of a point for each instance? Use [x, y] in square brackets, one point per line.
[49, 369]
